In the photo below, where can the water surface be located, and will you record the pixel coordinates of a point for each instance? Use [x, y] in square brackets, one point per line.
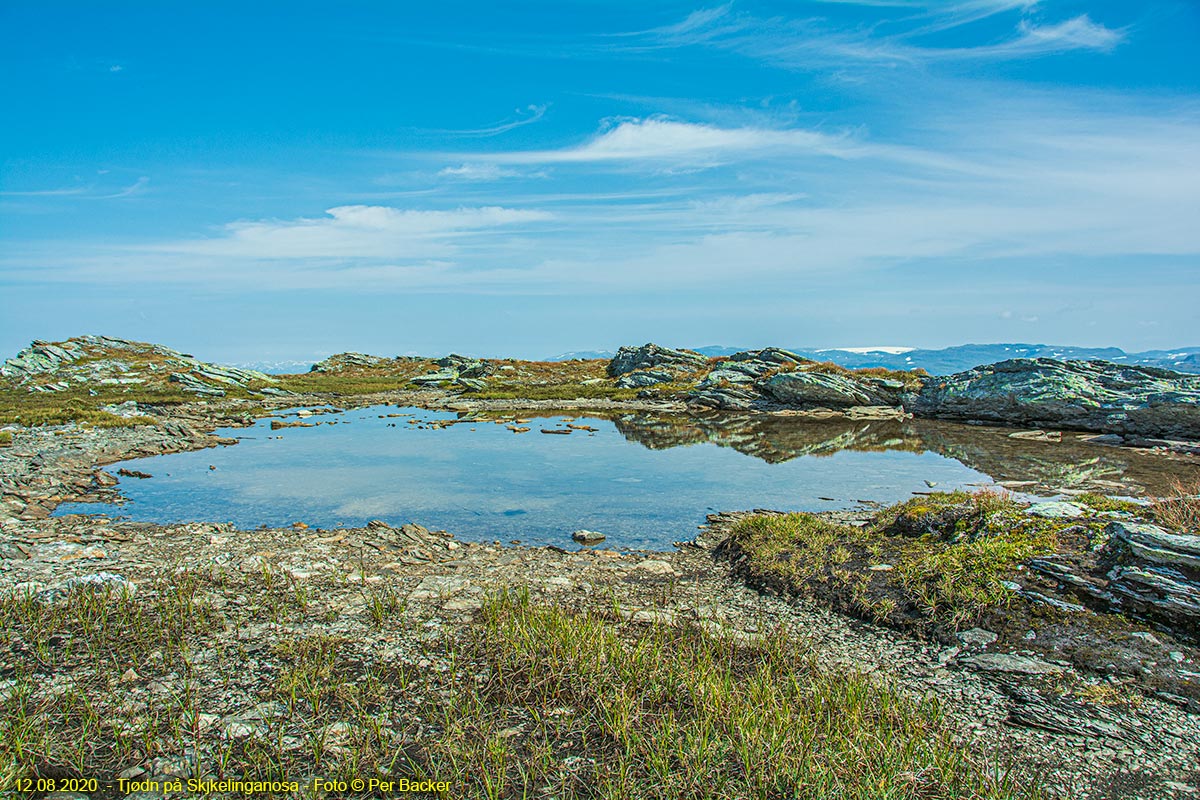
[644, 481]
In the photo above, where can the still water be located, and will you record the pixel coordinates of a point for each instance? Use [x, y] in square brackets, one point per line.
[644, 482]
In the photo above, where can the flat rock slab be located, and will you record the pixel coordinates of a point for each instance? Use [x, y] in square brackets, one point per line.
[1010, 662]
[1056, 509]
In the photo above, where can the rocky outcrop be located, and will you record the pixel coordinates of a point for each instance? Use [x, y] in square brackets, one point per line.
[1155, 574]
[653, 356]
[1140, 570]
[341, 361]
[105, 360]
[769, 355]
[466, 373]
[774, 378]
[1084, 395]
[465, 367]
[809, 389]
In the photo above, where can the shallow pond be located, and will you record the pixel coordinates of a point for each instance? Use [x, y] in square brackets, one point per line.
[643, 480]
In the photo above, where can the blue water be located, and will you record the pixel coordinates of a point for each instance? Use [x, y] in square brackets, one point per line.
[483, 482]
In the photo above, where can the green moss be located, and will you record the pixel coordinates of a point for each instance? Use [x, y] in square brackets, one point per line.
[78, 404]
[1101, 502]
[6, 438]
[945, 514]
[937, 559]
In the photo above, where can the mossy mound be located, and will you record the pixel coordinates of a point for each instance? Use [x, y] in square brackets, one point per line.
[935, 562]
[943, 562]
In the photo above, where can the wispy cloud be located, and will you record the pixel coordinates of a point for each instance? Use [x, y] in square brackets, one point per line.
[524, 116]
[90, 192]
[134, 188]
[812, 42]
[77, 190]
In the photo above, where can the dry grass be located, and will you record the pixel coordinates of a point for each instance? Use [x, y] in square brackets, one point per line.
[1179, 510]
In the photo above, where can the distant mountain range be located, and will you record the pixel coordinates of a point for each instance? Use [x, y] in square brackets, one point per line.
[949, 360]
[277, 367]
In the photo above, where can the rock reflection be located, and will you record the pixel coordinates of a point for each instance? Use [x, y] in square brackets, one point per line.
[1035, 466]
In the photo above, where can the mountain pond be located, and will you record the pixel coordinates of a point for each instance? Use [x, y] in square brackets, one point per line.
[644, 480]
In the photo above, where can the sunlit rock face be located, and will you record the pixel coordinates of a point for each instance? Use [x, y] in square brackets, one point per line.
[1085, 395]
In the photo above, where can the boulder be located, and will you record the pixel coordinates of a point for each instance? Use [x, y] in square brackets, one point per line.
[1084, 395]
[436, 377]
[1056, 509]
[588, 537]
[808, 389]
[642, 378]
[650, 356]
[771, 355]
[466, 367]
[1151, 543]
[1152, 574]
[720, 376]
[725, 398]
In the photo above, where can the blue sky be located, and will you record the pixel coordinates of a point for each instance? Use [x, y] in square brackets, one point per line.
[257, 181]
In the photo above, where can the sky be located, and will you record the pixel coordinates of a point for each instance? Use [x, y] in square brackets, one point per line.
[283, 181]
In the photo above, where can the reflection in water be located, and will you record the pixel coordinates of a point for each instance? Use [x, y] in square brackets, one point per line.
[773, 439]
[1044, 466]
[645, 480]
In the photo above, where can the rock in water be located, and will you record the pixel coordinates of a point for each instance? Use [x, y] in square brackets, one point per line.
[588, 537]
[1085, 395]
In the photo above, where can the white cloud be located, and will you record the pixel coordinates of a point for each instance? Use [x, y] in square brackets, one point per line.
[657, 138]
[479, 172]
[357, 232]
[1079, 33]
[1028, 180]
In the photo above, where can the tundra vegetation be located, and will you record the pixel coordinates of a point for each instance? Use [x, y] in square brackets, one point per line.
[530, 698]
